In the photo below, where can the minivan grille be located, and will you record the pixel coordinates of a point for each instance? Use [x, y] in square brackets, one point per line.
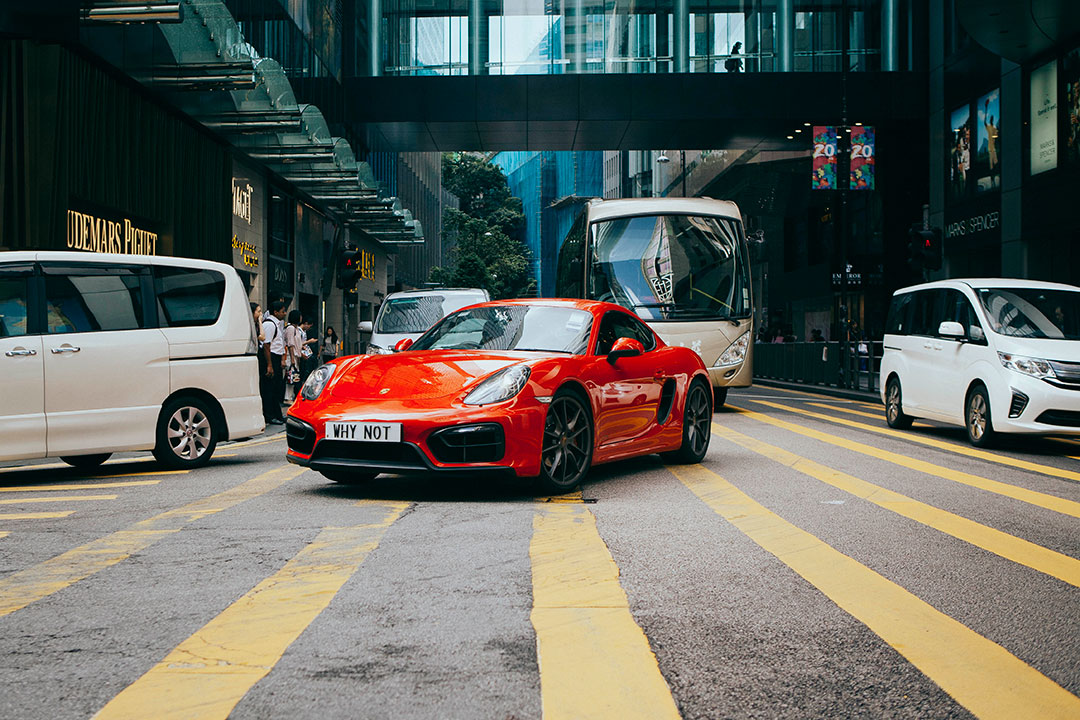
[1067, 372]
[1019, 402]
[1064, 418]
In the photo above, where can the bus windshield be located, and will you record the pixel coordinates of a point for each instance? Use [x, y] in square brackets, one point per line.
[671, 267]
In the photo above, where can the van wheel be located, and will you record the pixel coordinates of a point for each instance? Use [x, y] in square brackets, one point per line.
[187, 433]
[86, 462]
[719, 396]
[697, 428]
[894, 406]
[980, 427]
[346, 477]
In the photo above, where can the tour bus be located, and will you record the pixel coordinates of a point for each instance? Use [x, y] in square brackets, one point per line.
[104, 353]
[681, 264]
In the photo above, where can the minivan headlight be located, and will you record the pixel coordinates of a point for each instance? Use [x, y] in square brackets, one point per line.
[376, 350]
[503, 385]
[735, 353]
[1027, 365]
[317, 381]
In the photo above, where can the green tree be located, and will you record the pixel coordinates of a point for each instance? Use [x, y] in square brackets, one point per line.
[489, 251]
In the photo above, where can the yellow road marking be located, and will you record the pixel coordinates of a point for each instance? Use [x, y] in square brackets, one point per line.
[53, 466]
[55, 498]
[84, 486]
[819, 396]
[943, 445]
[873, 416]
[4, 533]
[21, 588]
[979, 674]
[574, 497]
[31, 516]
[595, 661]
[139, 474]
[1020, 551]
[207, 675]
[1049, 502]
[252, 443]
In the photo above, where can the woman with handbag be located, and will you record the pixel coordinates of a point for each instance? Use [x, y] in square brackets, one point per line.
[294, 348]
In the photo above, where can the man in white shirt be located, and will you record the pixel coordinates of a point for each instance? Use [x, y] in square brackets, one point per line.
[272, 384]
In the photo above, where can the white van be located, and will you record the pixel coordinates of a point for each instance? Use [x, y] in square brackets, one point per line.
[110, 353]
[410, 313]
[993, 355]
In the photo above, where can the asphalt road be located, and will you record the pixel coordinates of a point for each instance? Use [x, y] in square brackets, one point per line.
[816, 565]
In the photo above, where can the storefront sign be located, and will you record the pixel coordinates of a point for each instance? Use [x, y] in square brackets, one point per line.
[1044, 121]
[93, 233]
[367, 265]
[973, 225]
[249, 254]
[241, 194]
[862, 158]
[824, 172]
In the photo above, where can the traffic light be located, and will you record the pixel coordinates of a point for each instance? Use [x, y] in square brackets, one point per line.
[349, 268]
[932, 249]
[916, 258]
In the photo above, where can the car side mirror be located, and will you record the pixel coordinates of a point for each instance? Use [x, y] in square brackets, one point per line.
[976, 334]
[403, 344]
[365, 326]
[625, 347]
[952, 330]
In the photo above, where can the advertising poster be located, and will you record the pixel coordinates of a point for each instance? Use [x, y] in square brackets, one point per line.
[1044, 105]
[988, 142]
[959, 152]
[1072, 106]
[824, 173]
[862, 158]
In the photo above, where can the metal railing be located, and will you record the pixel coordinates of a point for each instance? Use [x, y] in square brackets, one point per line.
[853, 366]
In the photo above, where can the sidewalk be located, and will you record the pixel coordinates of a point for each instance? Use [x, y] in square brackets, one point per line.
[862, 395]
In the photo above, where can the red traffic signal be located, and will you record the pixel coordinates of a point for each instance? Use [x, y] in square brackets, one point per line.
[349, 268]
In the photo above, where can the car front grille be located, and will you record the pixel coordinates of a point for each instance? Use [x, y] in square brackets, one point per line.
[1062, 418]
[1067, 372]
[484, 442]
[299, 435]
[397, 453]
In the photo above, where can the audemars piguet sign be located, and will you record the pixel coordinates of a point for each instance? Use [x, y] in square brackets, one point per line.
[95, 233]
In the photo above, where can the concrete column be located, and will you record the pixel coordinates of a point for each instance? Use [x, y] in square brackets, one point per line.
[681, 36]
[890, 35]
[785, 35]
[575, 33]
[1014, 248]
[478, 39]
[375, 38]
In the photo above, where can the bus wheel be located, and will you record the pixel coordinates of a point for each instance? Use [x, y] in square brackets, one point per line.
[719, 395]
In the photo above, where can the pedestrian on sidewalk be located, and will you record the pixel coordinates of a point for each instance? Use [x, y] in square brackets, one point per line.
[272, 380]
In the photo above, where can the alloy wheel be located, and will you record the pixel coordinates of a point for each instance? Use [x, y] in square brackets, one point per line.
[892, 407]
[977, 416]
[698, 420]
[567, 440]
[188, 432]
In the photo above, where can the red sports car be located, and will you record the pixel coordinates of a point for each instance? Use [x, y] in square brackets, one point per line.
[533, 388]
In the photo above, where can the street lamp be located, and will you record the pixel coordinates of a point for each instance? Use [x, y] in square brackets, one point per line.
[663, 159]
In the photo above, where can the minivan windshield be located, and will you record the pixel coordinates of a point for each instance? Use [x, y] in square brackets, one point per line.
[671, 267]
[417, 313]
[1033, 312]
[543, 328]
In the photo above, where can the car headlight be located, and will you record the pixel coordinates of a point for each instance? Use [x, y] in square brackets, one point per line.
[735, 353]
[377, 350]
[1027, 365]
[317, 381]
[503, 385]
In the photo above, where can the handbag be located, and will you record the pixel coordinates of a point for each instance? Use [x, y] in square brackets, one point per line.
[292, 374]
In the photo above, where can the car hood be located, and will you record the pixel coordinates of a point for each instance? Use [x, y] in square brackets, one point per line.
[1059, 350]
[420, 375]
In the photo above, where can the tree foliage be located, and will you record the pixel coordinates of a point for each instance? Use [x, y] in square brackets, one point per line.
[489, 251]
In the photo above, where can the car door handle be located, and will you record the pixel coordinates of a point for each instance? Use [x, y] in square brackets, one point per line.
[65, 349]
[20, 351]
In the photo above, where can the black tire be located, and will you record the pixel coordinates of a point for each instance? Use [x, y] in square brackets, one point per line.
[348, 477]
[187, 433]
[977, 418]
[566, 445]
[697, 427]
[719, 395]
[894, 406]
[86, 462]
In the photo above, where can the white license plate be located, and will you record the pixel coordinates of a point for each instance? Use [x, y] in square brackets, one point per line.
[364, 431]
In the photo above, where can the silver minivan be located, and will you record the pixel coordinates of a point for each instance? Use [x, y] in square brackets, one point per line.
[409, 314]
[994, 355]
[109, 353]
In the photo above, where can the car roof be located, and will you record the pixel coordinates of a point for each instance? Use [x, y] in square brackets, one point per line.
[436, 291]
[978, 283]
[105, 258]
[607, 209]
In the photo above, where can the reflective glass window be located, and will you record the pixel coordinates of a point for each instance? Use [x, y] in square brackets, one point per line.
[92, 300]
[188, 296]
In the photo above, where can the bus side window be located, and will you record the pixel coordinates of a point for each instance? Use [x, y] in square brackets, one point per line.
[570, 277]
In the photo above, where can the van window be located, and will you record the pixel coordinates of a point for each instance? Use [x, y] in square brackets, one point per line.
[957, 308]
[925, 312]
[92, 299]
[898, 321]
[14, 291]
[188, 296]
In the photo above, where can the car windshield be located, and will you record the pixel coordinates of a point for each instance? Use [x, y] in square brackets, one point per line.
[1033, 312]
[668, 267]
[543, 328]
[417, 313]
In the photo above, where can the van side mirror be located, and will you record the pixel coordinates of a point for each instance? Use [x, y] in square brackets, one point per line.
[952, 330]
[403, 344]
[625, 347]
[364, 326]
